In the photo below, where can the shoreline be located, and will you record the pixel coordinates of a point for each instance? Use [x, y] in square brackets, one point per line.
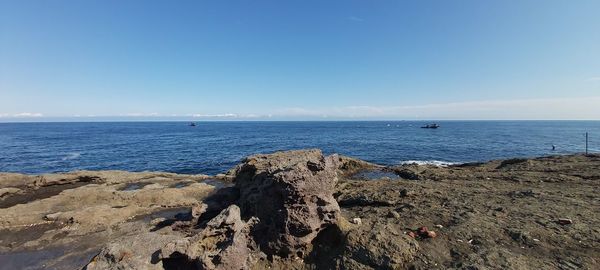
[484, 214]
[424, 162]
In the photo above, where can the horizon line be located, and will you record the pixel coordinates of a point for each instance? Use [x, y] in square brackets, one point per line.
[37, 120]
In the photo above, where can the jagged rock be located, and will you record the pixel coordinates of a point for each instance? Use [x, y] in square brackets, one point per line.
[198, 210]
[224, 244]
[285, 200]
[291, 193]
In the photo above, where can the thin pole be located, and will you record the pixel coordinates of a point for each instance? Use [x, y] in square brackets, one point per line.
[586, 143]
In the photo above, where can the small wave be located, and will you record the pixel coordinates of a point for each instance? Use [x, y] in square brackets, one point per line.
[438, 163]
[71, 156]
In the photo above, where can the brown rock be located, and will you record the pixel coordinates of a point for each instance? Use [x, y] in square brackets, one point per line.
[198, 210]
[291, 194]
[223, 244]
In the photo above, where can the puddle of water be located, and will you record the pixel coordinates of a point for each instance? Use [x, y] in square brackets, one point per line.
[35, 259]
[61, 257]
[216, 183]
[374, 175]
[180, 184]
[133, 186]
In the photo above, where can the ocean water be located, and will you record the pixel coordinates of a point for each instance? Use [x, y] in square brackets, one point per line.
[214, 147]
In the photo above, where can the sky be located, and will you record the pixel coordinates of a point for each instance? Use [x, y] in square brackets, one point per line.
[299, 60]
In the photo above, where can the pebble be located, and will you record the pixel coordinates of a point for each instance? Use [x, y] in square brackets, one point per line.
[439, 226]
[53, 216]
[357, 221]
[394, 214]
[564, 221]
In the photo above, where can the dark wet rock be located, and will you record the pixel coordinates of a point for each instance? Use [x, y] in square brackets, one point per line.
[353, 200]
[407, 172]
[45, 182]
[468, 165]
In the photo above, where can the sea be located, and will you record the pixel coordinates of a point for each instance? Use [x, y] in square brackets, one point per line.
[215, 147]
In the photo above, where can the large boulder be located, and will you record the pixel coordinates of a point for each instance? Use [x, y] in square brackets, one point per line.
[284, 201]
[291, 194]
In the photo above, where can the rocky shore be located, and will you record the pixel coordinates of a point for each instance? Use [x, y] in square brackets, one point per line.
[304, 210]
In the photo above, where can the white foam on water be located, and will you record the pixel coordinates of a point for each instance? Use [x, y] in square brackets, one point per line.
[438, 163]
[71, 156]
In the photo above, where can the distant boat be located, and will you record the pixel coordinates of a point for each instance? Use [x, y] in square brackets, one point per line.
[434, 125]
[192, 124]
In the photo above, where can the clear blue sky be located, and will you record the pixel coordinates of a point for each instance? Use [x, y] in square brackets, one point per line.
[300, 59]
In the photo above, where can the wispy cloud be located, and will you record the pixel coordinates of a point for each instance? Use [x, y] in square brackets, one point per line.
[593, 79]
[21, 115]
[541, 108]
[227, 115]
[548, 108]
[139, 114]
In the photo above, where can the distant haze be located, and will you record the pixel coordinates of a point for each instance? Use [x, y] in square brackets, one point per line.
[70, 60]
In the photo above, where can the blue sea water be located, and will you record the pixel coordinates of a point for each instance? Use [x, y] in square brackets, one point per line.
[214, 147]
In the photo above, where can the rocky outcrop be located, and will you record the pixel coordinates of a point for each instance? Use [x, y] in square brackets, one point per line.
[291, 194]
[285, 200]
